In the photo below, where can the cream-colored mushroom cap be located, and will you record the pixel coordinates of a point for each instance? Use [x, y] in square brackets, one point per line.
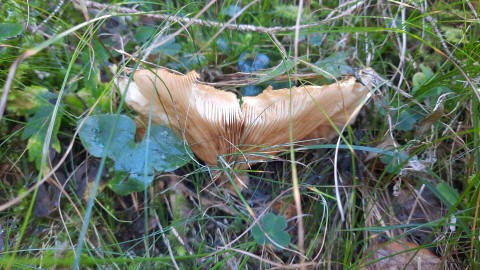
[216, 123]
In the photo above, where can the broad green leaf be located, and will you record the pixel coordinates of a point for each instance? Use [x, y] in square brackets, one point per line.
[123, 185]
[188, 62]
[394, 161]
[426, 70]
[231, 10]
[273, 231]
[168, 151]
[425, 84]
[169, 48]
[135, 163]
[448, 194]
[144, 33]
[96, 133]
[282, 68]
[289, 12]
[333, 66]
[406, 119]
[8, 30]
[37, 127]
[418, 79]
[454, 35]
[28, 100]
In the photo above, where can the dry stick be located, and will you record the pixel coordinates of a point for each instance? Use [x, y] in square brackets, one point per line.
[184, 27]
[84, 10]
[296, 188]
[57, 8]
[297, 34]
[166, 242]
[402, 43]
[474, 227]
[208, 23]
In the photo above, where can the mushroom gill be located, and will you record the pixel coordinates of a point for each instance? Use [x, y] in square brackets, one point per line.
[214, 123]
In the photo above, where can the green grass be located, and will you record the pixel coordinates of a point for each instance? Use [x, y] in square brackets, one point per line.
[58, 67]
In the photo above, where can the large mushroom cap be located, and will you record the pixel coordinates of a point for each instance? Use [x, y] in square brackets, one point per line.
[214, 122]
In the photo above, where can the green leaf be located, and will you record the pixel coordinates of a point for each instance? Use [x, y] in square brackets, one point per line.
[394, 161]
[448, 195]
[231, 10]
[418, 79]
[28, 100]
[426, 70]
[169, 48]
[425, 84]
[454, 35]
[333, 66]
[8, 30]
[37, 127]
[406, 118]
[123, 185]
[286, 11]
[144, 33]
[188, 61]
[135, 163]
[285, 66]
[273, 231]
[96, 131]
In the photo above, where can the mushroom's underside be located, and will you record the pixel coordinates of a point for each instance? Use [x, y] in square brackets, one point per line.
[215, 123]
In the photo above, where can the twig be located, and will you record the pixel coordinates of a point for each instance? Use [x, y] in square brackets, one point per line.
[54, 12]
[166, 242]
[209, 23]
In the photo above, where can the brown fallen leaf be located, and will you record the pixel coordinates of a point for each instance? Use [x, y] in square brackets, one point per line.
[425, 125]
[400, 255]
[387, 144]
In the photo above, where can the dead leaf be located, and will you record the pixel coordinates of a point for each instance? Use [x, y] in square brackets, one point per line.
[425, 125]
[387, 143]
[400, 255]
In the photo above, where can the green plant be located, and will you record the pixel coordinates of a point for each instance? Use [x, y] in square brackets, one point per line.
[112, 136]
[271, 230]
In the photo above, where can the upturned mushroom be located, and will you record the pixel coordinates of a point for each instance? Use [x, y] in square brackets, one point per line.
[216, 123]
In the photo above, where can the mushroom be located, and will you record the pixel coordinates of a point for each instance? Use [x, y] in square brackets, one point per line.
[216, 123]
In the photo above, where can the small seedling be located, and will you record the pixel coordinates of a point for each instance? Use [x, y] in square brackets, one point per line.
[271, 230]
